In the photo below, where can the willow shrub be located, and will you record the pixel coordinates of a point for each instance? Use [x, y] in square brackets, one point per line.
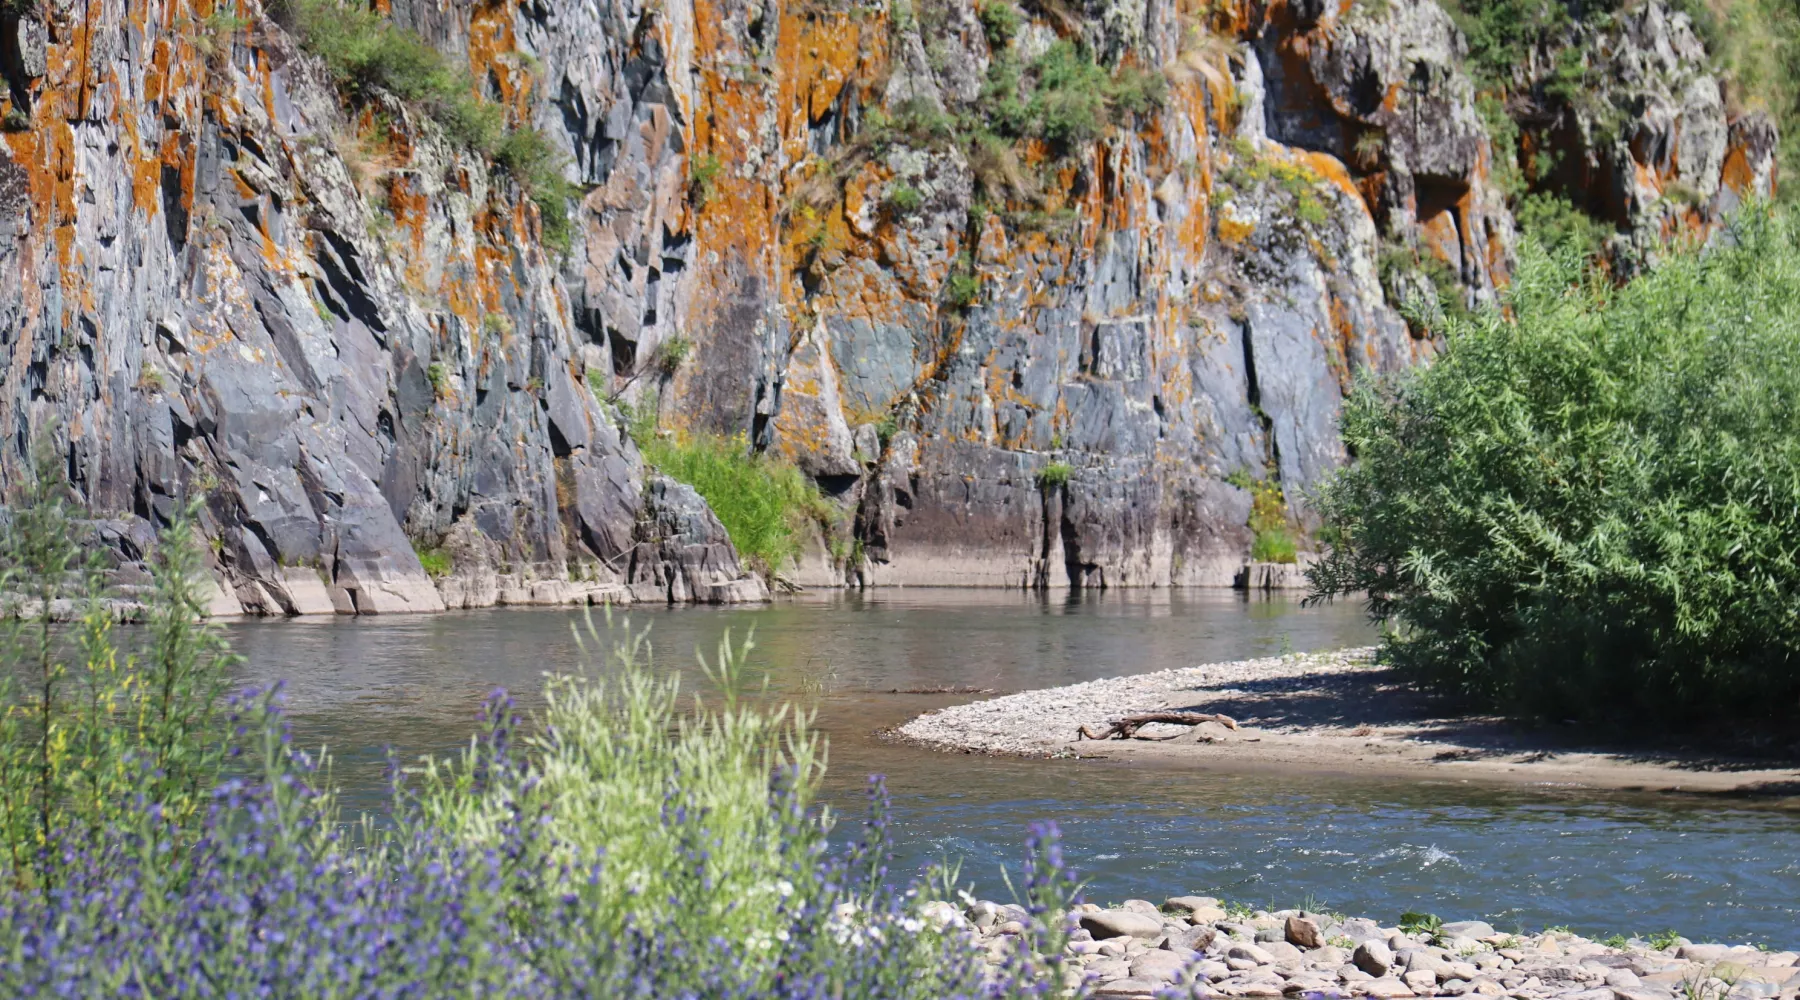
[1589, 504]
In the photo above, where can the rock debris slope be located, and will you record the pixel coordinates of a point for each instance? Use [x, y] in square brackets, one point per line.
[1040, 296]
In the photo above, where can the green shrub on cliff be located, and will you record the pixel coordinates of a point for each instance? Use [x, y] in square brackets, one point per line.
[763, 503]
[1589, 504]
[366, 53]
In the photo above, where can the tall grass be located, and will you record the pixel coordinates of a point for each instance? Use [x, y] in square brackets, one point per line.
[85, 730]
[765, 504]
[1589, 505]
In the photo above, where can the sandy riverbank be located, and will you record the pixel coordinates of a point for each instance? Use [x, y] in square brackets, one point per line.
[1333, 712]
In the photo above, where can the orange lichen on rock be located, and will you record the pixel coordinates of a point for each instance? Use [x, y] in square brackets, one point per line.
[1736, 172]
[492, 56]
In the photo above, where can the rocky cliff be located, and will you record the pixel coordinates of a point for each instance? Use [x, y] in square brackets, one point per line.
[1039, 296]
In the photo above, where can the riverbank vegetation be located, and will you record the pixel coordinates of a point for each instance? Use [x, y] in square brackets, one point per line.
[162, 839]
[1589, 504]
[765, 504]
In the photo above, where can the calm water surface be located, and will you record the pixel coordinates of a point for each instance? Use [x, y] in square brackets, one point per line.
[1523, 858]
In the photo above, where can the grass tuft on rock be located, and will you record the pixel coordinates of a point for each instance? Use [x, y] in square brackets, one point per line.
[765, 504]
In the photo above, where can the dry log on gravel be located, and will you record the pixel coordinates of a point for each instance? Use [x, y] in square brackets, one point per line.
[1127, 727]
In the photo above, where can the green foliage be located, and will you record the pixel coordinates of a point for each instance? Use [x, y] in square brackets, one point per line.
[610, 747]
[366, 54]
[1555, 223]
[537, 166]
[1000, 22]
[763, 503]
[670, 355]
[1068, 102]
[1664, 940]
[904, 199]
[962, 288]
[1273, 534]
[1054, 476]
[1400, 265]
[434, 561]
[1502, 34]
[1135, 91]
[438, 374]
[917, 122]
[1416, 924]
[703, 174]
[1504, 134]
[1296, 183]
[1587, 504]
[85, 729]
[1063, 97]
[1757, 44]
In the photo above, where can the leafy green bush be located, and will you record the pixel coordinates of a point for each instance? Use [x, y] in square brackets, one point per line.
[1419, 924]
[763, 503]
[904, 199]
[962, 288]
[1590, 503]
[608, 748]
[999, 21]
[1757, 44]
[703, 174]
[434, 561]
[1554, 222]
[1068, 102]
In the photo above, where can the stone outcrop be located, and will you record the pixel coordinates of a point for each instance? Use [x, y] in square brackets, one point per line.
[342, 334]
[1622, 113]
[1029, 362]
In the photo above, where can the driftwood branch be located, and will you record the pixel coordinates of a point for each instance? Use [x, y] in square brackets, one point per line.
[1127, 727]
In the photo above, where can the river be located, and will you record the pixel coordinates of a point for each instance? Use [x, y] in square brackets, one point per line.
[1523, 858]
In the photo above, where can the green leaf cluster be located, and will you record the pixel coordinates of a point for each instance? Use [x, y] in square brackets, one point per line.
[1589, 504]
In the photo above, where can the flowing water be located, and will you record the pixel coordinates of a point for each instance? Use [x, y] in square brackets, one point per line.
[1524, 858]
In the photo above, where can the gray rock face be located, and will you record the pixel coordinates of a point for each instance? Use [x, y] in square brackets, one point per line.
[348, 341]
[347, 335]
